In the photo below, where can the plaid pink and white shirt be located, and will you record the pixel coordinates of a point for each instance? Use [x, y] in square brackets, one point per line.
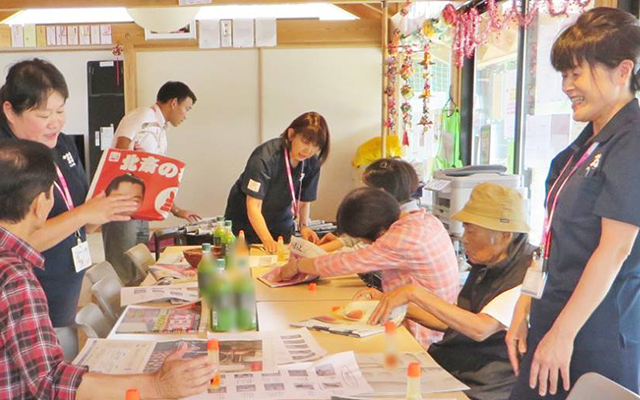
[416, 249]
[31, 361]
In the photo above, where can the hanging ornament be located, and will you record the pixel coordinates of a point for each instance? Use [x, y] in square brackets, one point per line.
[425, 120]
[117, 52]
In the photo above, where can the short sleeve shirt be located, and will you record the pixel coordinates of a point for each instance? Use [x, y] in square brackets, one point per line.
[606, 185]
[59, 279]
[265, 178]
[145, 126]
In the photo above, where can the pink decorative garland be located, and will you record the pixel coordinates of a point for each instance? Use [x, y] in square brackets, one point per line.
[466, 25]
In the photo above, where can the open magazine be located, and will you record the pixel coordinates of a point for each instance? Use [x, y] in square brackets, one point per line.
[151, 179]
[300, 248]
[351, 320]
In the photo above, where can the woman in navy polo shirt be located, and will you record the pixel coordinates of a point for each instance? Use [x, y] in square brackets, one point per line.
[279, 183]
[587, 318]
[33, 108]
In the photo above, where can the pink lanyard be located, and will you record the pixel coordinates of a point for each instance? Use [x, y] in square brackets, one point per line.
[64, 190]
[546, 231]
[295, 203]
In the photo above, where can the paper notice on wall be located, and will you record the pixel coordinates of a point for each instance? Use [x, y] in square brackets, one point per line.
[84, 33]
[95, 34]
[106, 137]
[61, 35]
[105, 34]
[30, 36]
[17, 36]
[266, 33]
[243, 36]
[209, 34]
[72, 35]
[41, 35]
[226, 33]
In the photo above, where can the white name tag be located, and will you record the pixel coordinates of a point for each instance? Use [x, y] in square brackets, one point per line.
[81, 256]
[254, 186]
[535, 279]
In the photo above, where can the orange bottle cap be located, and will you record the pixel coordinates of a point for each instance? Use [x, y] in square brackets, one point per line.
[241, 233]
[335, 308]
[389, 327]
[132, 394]
[414, 370]
[280, 239]
[213, 344]
[313, 286]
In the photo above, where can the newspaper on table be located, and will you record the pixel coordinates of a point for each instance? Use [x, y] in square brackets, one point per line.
[336, 375]
[177, 260]
[296, 345]
[239, 354]
[300, 248]
[351, 320]
[172, 271]
[150, 179]
[178, 319]
[186, 292]
[433, 378]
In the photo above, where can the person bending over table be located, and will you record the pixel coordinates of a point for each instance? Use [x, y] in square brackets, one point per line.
[412, 248]
[281, 176]
[497, 246]
[31, 360]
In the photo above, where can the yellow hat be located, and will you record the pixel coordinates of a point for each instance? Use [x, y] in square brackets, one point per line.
[495, 207]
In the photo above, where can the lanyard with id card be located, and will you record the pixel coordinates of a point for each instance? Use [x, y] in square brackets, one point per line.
[80, 252]
[295, 202]
[535, 279]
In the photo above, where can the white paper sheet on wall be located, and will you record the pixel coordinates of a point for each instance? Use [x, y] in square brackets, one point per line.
[84, 33]
[61, 35]
[193, 2]
[30, 37]
[95, 34]
[17, 36]
[105, 34]
[72, 35]
[226, 32]
[243, 33]
[266, 33]
[209, 34]
[51, 35]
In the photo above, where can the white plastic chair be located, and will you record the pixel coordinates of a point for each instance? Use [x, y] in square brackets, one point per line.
[592, 386]
[99, 271]
[107, 293]
[93, 322]
[141, 257]
[68, 338]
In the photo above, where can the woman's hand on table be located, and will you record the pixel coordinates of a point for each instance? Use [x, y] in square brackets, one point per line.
[102, 209]
[178, 378]
[190, 216]
[287, 271]
[389, 301]
[309, 234]
[270, 246]
[367, 294]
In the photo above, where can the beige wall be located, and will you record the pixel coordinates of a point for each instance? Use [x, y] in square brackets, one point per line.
[239, 104]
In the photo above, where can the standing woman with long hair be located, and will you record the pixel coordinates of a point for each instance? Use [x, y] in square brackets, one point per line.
[33, 101]
[279, 183]
[587, 317]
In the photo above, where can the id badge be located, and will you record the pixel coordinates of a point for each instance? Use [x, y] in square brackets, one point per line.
[535, 279]
[81, 255]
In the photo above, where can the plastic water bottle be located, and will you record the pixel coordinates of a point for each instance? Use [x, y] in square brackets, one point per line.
[413, 382]
[228, 242]
[282, 251]
[223, 316]
[391, 356]
[245, 295]
[218, 233]
[206, 269]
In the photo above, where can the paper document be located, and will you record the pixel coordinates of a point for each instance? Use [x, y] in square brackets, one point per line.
[160, 320]
[336, 375]
[351, 320]
[141, 294]
[296, 345]
[300, 248]
[209, 34]
[434, 378]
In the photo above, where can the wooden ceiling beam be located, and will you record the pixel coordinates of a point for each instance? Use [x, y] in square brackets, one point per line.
[15, 5]
[362, 11]
[7, 14]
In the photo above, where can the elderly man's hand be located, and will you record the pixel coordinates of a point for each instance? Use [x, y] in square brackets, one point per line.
[183, 377]
[389, 301]
[287, 271]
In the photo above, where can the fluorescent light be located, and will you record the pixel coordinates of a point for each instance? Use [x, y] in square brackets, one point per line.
[323, 11]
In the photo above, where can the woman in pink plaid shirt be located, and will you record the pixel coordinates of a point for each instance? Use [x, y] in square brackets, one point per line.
[408, 248]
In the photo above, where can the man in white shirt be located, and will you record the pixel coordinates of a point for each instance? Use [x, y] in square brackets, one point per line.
[497, 246]
[144, 129]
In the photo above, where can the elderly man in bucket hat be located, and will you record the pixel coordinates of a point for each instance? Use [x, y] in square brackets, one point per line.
[496, 244]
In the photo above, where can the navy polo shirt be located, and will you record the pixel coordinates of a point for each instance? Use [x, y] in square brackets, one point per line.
[606, 185]
[265, 178]
[59, 279]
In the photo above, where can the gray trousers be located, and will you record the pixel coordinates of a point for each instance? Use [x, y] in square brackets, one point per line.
[118, 237]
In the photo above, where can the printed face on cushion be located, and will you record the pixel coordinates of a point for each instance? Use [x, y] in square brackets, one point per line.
[41, 124]
[301, 148]
[133, 190]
